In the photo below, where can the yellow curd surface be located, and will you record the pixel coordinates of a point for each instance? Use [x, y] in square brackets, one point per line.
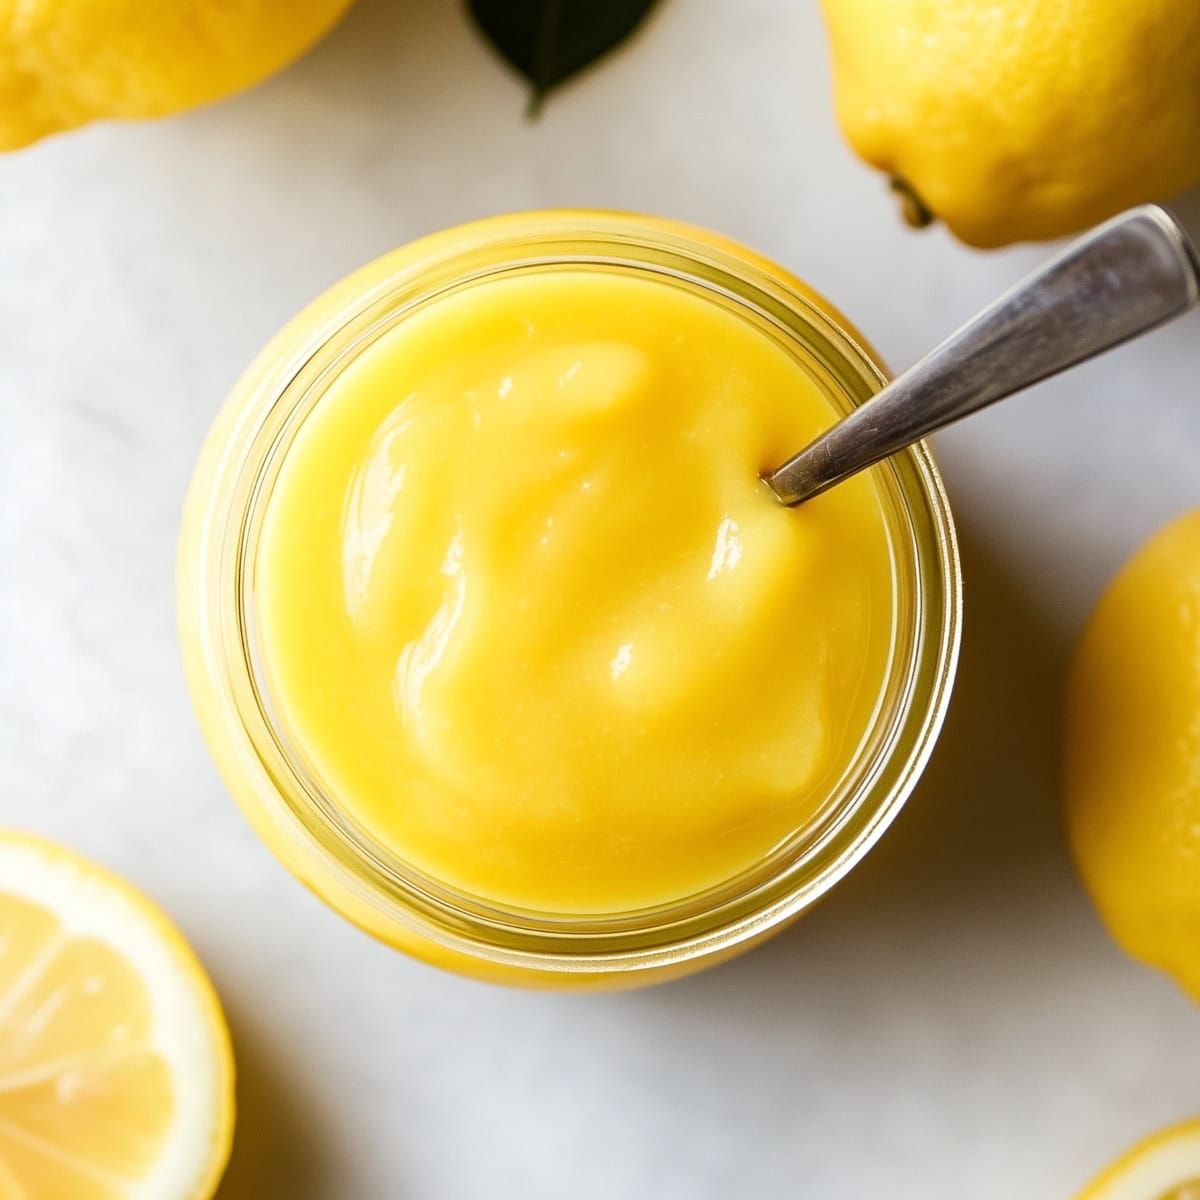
[528, 610]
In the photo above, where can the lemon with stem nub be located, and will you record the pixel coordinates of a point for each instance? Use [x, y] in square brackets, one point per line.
[1012, 120]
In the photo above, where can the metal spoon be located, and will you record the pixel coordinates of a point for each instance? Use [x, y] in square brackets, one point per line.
[1116, 282]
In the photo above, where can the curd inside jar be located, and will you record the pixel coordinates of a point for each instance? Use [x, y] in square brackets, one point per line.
[500, 641]
[537, 624]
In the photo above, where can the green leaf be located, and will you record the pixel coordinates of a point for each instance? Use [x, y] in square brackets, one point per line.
[548, 41]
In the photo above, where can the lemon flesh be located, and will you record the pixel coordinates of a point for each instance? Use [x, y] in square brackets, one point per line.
[116, 1074]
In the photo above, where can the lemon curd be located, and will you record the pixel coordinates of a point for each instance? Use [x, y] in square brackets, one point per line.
[539, 624]
[498, 637]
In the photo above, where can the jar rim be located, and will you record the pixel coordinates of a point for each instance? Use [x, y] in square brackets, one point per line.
[266, 411]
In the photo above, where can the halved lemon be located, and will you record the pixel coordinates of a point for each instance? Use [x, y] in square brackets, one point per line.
[1165, 1166]
[116, 1075]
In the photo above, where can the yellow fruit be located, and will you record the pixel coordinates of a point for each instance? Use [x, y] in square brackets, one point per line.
[116, 1077]
[66, 62]
[1165, 1166]
[1011, 120]
[1132, 754]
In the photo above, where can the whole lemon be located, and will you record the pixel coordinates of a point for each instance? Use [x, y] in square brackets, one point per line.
[1011, 120]
[1132, 754]
[66, 62]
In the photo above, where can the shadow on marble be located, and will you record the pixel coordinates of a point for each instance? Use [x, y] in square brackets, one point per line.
[978, 848]
[386, 57]
[278, 1146]
[985, 818]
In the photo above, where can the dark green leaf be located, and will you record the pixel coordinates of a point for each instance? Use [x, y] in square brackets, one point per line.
[549, 40]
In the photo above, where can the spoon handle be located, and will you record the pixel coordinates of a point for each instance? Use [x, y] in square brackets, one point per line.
[1120, 280]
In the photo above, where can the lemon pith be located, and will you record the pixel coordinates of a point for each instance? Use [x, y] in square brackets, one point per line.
[1163, 1166]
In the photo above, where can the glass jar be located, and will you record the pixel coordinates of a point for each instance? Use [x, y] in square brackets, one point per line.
[308, 830]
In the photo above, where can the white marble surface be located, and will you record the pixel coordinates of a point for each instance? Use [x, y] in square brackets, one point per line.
[953, 1022]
